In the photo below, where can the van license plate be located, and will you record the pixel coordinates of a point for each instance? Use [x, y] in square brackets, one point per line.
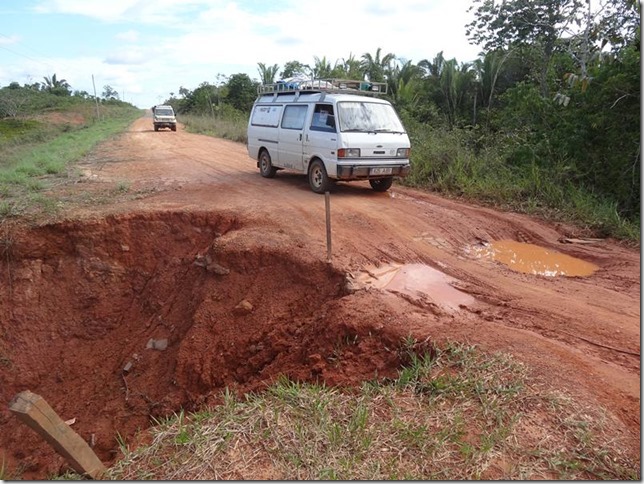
[380, 171]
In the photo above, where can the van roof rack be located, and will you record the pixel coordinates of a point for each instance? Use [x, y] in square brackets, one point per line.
[302, 85]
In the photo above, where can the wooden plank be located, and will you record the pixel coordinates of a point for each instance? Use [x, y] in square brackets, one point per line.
[327, 204]
[586, 240]
[34, 411]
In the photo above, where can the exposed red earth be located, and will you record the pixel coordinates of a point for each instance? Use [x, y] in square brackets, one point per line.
[204, 275]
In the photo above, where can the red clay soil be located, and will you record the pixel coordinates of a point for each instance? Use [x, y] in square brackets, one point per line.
[200, 275]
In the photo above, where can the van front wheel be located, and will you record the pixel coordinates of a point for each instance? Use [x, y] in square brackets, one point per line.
[318, 179]
[266, 168]
[381, 184]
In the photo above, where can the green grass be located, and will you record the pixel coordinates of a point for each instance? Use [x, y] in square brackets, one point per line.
[453, 414]
[27, 168]
[232, 126]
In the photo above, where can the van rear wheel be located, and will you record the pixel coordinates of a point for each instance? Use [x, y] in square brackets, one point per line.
[266, 168]
[381, 184]
[318, 178]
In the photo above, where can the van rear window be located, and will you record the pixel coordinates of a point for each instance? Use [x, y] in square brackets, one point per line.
[266, 116]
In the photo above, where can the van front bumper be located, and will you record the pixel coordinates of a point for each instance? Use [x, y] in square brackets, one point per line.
[370, 172]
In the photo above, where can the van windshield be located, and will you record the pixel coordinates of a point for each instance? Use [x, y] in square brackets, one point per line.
[163, 112]
[365, 116]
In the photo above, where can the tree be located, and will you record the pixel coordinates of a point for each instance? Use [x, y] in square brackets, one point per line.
[402, 83]
[449, 85]
[512, 23]
[487, 72]
[12, 101]
[59, 87]
[267, 73]
[374, 67]
[242, 92]
[294, 69]
[322, 68]
[350, 68]
[619, 25]
[110, 93]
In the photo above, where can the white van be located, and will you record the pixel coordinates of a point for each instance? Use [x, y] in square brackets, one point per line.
[330, 130]
[163, 117]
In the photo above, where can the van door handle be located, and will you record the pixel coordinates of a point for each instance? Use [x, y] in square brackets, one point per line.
[300, 137]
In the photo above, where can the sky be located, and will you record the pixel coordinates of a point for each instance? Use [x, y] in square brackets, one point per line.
[146, 50]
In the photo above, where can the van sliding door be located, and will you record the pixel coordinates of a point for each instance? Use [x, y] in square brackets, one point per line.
[290, 137]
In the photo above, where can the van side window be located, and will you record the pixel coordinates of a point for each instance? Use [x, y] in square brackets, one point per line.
[323, 118]
[294, 117]
[266, 116]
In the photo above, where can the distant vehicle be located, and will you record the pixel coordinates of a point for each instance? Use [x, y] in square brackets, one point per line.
[163, 117]
[330, 130]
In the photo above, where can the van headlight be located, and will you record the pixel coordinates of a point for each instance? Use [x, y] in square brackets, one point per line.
[403, 152]
[349, 153]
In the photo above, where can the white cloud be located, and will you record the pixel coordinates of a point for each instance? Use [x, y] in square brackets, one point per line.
[129, 36]
[13, 39]
[129, 56]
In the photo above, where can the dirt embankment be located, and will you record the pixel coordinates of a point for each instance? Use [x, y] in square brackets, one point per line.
[203, 275]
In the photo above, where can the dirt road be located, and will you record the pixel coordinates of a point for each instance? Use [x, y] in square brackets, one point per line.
[93, 290]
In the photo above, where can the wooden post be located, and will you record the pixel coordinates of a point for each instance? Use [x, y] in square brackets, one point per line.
[33, 410]
[327, 203]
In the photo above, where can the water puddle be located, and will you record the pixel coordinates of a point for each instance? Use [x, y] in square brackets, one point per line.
[532, 259]
[418, 281]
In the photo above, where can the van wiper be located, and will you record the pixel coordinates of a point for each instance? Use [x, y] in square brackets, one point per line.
[389, 131]
[357, 130]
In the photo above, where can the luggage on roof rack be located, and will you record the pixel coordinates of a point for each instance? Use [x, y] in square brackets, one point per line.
[346, 86]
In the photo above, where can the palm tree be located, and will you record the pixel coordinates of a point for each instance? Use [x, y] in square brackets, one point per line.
[267, 73]
[487, 72]
[402, 83]
[374, 67]
[322, 68]
[56, 86]
[455, 82]
[450, 84]
[350, 68]
[433, 68]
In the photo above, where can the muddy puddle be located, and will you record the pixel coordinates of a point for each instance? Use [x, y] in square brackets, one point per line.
[418, 281]
[533, 259]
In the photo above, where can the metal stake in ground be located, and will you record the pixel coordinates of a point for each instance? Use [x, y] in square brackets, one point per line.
[327, 203]
[33, 410]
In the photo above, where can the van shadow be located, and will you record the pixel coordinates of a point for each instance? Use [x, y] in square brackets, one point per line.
[338, 189]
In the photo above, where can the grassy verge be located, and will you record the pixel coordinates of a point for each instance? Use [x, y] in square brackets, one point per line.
[232, 126]
[448, 161]
[37, 153]
[455, 414]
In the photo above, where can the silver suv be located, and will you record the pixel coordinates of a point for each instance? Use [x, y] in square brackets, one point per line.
[164, 118]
